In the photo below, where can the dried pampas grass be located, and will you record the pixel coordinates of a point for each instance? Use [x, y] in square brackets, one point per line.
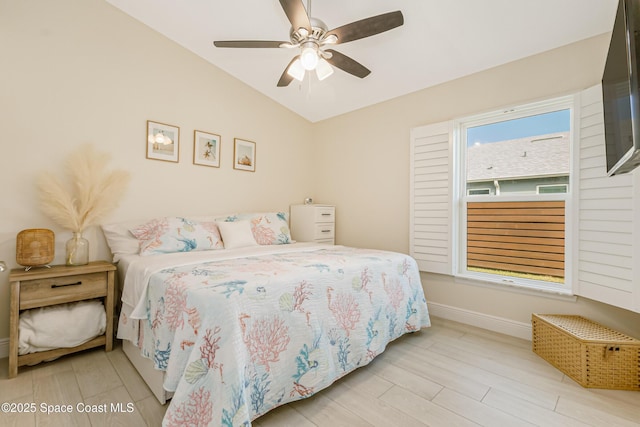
[93, 193]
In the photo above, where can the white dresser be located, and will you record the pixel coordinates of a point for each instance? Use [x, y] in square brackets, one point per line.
[313, 223]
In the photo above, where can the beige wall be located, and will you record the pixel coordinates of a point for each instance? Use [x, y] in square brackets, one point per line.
[78, 71]
[365, 155]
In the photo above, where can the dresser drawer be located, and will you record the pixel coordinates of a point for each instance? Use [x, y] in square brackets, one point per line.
[58, 290]
[325, 214]
[324, 231]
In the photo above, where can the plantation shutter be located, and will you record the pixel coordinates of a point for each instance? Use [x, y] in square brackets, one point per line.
[430, 197]
[608, 217]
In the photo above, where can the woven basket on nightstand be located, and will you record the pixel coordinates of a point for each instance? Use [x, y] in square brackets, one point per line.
[593, 355]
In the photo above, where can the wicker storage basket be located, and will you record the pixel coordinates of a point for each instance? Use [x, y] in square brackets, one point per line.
[593, 355]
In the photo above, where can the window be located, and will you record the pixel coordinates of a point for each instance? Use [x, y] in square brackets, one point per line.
[478, 191]
[552, 189]
[602, 268]
[513, 181]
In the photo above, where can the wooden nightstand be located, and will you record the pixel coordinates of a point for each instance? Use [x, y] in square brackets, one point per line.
[57, 285]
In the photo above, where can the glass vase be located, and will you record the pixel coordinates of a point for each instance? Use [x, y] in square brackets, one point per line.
[77, 250]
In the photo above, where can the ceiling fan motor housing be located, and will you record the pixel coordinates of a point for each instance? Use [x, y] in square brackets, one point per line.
[300, 35]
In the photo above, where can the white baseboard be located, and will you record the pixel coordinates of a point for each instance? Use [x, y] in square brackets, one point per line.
[4, 348]
[481, 320]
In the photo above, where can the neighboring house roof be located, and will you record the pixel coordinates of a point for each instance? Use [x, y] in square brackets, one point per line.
[540, 155]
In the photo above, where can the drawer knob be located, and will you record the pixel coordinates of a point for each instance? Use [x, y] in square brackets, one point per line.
[67, 284]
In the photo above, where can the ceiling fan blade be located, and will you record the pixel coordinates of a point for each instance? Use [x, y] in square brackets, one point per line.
[347, 64]
[367, 27]
[248, 43]
[286, 78]
[297, 14]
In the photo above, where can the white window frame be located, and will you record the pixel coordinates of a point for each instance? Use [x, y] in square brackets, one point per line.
[460, 197]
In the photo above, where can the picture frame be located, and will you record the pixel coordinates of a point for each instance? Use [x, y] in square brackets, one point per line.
[244, 155]
[163, 141]
[206, 148]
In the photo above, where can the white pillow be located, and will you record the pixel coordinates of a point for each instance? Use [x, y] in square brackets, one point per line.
[236, 234]
[120, 240]
[62, 325]
[270, 228]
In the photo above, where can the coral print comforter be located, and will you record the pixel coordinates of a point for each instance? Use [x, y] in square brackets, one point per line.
[245, 332]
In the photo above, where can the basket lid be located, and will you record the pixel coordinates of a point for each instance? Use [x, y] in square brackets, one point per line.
[585, 328]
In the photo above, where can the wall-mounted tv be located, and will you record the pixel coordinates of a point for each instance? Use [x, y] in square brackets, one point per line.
[620, 89]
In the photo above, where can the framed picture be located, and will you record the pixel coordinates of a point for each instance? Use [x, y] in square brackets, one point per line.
[206, 149]
[244, 155]
[163, 141]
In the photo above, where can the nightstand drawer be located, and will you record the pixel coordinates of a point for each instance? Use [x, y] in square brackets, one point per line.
[58, 290]
[325, 231]
[325, 214]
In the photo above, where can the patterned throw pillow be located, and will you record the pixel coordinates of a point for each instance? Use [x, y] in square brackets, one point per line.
[268, 228]
[176, 234]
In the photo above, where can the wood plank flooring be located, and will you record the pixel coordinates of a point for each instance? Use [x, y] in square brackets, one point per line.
[447, 375]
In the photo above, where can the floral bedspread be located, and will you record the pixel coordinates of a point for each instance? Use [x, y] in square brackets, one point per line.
[238, 337]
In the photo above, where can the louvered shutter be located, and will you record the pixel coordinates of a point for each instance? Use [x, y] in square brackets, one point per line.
[430, 197]
[606, 214]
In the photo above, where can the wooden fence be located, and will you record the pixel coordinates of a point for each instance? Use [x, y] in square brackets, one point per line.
[523, 237]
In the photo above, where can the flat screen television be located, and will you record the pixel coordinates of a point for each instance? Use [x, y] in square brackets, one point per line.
[620, 90]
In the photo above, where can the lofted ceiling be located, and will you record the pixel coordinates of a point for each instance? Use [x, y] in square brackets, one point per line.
[440, 40]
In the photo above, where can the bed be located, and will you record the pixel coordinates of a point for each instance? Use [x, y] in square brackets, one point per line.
[237, 323]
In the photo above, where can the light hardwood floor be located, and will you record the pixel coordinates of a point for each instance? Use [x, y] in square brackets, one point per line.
[446, 375]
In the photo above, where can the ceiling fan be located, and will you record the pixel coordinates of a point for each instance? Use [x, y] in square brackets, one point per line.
[313, 38]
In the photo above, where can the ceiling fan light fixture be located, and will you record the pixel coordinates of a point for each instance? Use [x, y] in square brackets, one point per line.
[309, 58]
[330, 39]
[296, 70]
[323, 70]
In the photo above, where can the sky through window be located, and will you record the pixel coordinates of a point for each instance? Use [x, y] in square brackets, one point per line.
[540, 124]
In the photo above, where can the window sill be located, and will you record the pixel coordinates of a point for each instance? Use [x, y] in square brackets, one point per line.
[519, 288]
